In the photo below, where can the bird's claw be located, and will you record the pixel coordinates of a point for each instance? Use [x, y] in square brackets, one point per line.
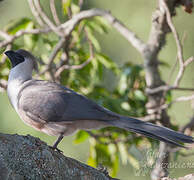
[56, 149]
[103, 169]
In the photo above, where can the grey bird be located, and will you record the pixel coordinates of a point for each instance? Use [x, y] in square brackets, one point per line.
[59, 111]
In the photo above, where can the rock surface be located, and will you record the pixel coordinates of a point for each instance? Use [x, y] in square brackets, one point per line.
[27, 157]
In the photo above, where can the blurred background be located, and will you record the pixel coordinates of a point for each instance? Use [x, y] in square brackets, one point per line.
[136, 15]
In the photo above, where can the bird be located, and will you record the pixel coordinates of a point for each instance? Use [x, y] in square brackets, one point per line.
[59, 111]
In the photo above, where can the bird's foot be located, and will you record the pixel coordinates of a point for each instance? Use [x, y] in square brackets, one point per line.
[103, 169]
[56, 149]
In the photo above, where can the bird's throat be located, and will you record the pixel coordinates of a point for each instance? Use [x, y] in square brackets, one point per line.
[18, 75]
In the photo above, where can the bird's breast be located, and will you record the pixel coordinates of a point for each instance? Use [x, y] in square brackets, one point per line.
[13, 90]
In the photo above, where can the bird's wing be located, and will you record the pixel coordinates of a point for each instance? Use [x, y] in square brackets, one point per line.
[54, 103]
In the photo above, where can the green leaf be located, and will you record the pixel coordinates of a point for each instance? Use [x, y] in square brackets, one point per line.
[115, 166]
[103, 155]
[17, 25]
[29, 39]
[95, 27]
[92, 158]
[169, 97]
[75, 8]
[139, 95]
[66, 5]
[123, 151]
[108, 63]
[133, 161]
[103, 23]
[81, 136]
[123, 84]
[93, 38]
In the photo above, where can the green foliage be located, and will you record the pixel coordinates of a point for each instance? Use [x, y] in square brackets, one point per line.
[81, 136]
[17, 25]
[66, 5]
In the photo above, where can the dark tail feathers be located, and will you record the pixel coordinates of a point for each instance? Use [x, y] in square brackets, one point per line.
[153, 131]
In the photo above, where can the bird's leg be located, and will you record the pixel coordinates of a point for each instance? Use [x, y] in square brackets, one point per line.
[57, 142]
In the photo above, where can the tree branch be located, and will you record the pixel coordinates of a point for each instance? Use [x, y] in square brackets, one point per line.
[10, 39]
[35, 13]
[121, 28]
[46, 19]
[57, 48]
[167, 88]
[54, 12]
[178, 44]
[184, 98]
[80, 66]
[26, 156]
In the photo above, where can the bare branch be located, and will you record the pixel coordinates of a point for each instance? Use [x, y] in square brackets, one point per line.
[178, 44]
[4, 35]
[179, 99]
[121, 28]
[21, 33]
[54, 12]
[167, 88]
[176, 62]
[35, 13]
[188, 61]
[53, 55]
[55, 51]
[81, 2]
[46, 19]
[80, 66]
[184, 98]
[176, 36]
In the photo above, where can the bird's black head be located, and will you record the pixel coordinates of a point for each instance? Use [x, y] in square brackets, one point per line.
[15, 58]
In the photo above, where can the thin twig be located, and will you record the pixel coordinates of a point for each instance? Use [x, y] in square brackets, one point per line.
[54, 12]
[179, 99]
[53, 55]
[4, 35]
[46, 19]
[178, 44]
[176, 62]
[184, 98]
[64, 67]
[80, 66]
[188, 61]
[21, 33]
[35, 13]
[167, 88]
[81, 2]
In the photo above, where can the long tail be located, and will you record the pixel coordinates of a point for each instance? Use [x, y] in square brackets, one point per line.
[153, 131]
